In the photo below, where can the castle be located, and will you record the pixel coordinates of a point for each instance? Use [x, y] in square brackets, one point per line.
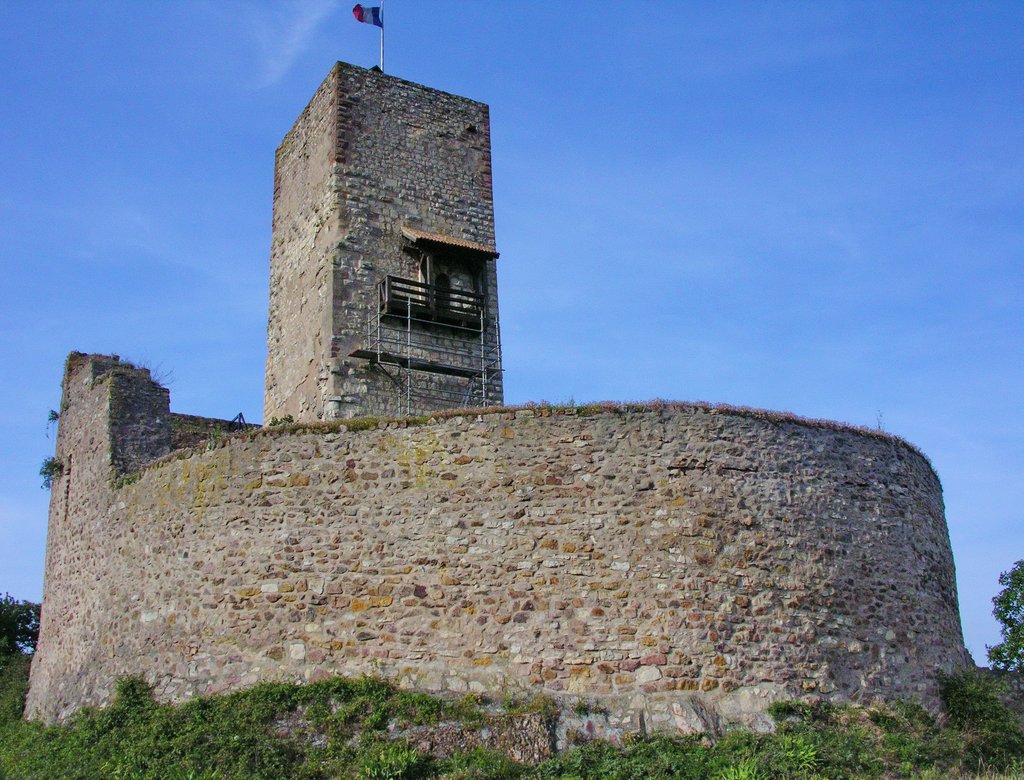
[682, 565]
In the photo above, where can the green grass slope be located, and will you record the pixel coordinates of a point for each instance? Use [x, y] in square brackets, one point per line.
[360, 729]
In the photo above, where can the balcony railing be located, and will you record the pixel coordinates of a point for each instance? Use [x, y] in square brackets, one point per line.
[456, 365]
[430, 303]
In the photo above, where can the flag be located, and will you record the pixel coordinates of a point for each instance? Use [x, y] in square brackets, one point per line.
[368, 15]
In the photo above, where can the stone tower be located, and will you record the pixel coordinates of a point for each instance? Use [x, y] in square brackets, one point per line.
[383, 286]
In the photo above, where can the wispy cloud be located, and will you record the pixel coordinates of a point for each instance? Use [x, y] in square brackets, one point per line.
[284, 32]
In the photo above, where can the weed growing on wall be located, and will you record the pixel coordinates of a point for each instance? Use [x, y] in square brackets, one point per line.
[50, 470]
[51, 420]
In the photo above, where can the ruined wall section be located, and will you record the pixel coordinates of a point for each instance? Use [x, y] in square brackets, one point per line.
[140, 422]
[678, 566]
[113, 420]
[305, 232]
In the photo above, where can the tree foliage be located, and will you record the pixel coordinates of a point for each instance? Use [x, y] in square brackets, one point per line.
[1009, 611]
[19, 625]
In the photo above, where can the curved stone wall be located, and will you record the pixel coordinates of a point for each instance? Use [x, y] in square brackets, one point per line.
[678, 565]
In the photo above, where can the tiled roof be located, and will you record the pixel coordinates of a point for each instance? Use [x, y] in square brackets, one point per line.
[439, 238]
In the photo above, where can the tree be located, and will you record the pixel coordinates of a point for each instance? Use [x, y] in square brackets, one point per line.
[1009, 611]
[19, 626]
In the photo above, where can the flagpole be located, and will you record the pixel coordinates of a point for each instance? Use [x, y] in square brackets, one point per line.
[381, 36]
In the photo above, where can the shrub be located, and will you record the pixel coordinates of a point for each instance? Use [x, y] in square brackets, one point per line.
[19, 625]
[992, 734]
[1008, 609]
[13, 686]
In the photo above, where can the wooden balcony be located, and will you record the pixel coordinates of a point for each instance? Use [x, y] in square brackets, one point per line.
[422, 302]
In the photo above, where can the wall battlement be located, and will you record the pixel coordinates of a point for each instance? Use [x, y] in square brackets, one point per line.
[680, 566]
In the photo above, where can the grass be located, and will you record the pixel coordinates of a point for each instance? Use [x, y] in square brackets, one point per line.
[352, 729]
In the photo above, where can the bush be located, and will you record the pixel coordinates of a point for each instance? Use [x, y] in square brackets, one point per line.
[13, 686]
[1008, 609]
[19, 626]
[991, 732]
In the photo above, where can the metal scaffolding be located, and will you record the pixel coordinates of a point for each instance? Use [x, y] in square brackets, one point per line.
[437, 346]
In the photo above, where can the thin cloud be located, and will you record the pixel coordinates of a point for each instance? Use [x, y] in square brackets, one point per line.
[285, 33]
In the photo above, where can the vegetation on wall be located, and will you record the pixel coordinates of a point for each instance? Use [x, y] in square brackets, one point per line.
[50, 470]
[1008, 655]
[51, 420]
[360, 729]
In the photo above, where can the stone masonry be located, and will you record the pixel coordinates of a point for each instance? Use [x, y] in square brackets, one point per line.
[114, 420]
[681, 566]
[370, 155]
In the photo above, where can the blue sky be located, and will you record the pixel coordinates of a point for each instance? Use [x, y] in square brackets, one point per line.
[813, 207]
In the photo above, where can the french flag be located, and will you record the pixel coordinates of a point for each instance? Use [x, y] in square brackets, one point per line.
[368, 15]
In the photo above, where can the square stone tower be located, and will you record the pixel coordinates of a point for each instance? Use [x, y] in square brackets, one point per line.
[383, 286]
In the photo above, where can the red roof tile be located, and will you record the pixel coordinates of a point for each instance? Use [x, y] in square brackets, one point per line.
[439, 238]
